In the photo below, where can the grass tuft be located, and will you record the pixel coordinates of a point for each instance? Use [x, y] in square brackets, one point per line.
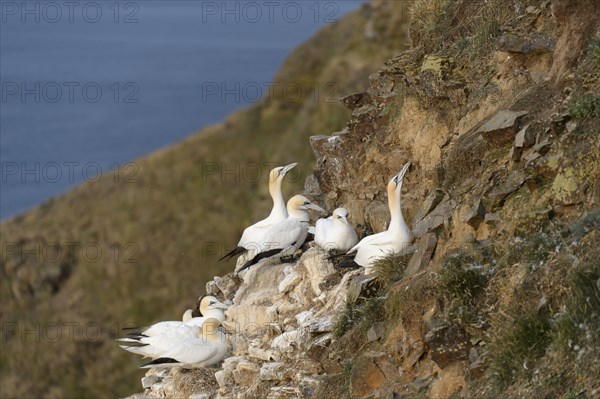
[461, 278]
[581, 320]
[361, 314]
[532, 250]
[514, 350]
[390, 269]
[586, 106]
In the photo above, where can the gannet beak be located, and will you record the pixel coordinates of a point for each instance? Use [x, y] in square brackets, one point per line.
[220, 305]
[315, 207]
[287, 168]
[398, 178]
[224, 330]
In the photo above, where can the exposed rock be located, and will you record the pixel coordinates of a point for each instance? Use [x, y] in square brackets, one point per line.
[291, 280]
[425, 248]
[566, 186]
[542, 147]
[448, 345]
[537, 43]
[246, 372]
[356, 100]
[432, 200]
[475, 214]
[150, 379]
[507, 184]
[358, 285]
[435, 72]
[378, 216]
[525, 138]
[375, 332]
[283, 393]
[492, 219]
[436, 218]
[275, 371]
[226, 285]
[501, 128]
[365, 377]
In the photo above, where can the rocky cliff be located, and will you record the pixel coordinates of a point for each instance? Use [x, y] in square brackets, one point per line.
[139, 244]
[496, 105]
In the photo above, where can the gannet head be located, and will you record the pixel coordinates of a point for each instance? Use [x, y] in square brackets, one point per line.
[210, 303]
[187, 315]
[395, 185]
[340, 215]
[277, 174]
[301, 203]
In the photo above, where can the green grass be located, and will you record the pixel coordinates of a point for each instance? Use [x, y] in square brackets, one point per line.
[578, 329]
[360, 314]
[586, 106]
[519, 343]
[594, 51]
[390, 269]
[462, 281]
[532, 250]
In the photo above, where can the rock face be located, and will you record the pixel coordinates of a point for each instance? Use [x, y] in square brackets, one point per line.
[502, 127]
[481, 173]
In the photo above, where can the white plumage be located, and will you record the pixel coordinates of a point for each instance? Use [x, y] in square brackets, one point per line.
[335, 233]
[284, 238]
[206, 347]
[209, 306]
[398, 235]
[254, 233]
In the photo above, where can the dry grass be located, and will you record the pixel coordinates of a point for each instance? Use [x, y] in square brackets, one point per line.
[466, 27]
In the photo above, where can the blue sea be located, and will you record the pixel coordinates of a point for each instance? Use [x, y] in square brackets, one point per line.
[88, 86]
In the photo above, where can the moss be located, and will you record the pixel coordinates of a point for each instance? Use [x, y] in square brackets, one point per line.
[586, 106]
[594, 51]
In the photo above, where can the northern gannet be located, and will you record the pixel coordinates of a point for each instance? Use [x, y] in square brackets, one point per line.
[209, 307]
[284, 238]
[253, 234]
[335, 233]
[397, 237]
[207, 347]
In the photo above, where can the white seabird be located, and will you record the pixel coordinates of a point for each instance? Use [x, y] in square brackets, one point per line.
[206, 348]
[253, 234]
[209, 307]
[335, 233]
[284, 238]
[396, 238]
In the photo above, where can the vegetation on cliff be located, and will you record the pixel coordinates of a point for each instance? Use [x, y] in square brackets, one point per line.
[495, 104]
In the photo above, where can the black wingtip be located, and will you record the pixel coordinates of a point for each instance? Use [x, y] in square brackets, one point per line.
[333, 255]
[136, 335]
[348, 264]
[197, 313]
[260, 256]
[159, 361]
[232, 253]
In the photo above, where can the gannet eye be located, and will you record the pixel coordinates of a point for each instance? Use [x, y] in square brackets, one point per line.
[306, 202]
[212, 303]
[280, 171]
